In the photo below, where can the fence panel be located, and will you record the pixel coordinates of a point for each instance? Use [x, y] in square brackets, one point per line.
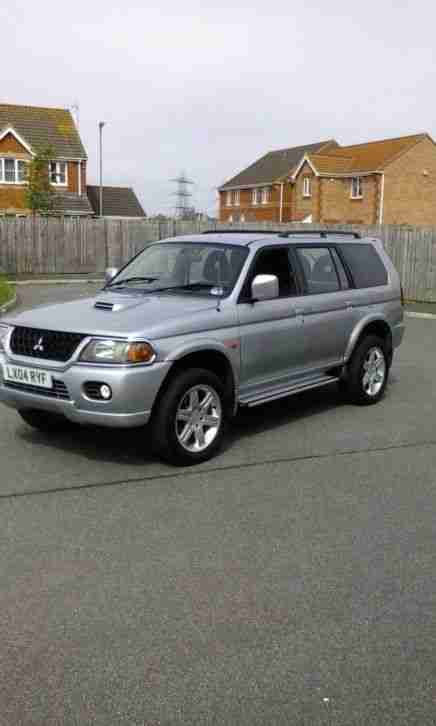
[34, 246]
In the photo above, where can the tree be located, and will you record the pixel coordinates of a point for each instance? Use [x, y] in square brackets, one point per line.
[39, 192]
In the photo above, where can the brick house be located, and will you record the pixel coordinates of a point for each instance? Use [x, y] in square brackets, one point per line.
[392, 181]
[263, 191]
[25, 130]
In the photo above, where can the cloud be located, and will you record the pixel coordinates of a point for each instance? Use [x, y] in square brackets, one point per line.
[208, 88]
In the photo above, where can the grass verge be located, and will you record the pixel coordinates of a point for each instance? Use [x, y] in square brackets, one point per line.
[7, 291]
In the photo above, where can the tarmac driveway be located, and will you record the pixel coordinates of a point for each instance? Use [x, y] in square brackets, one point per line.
[289, 581]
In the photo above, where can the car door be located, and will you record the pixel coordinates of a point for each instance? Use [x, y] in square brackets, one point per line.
[325, 306]
[272, 343]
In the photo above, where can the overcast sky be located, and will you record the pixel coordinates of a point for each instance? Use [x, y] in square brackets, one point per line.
[208, 88]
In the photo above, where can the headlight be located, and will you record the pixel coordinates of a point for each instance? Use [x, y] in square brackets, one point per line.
[4, 330]
[118, 351]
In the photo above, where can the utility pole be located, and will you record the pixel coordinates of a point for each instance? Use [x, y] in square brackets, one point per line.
[100, 128]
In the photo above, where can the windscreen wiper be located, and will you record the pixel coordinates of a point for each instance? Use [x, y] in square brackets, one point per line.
[132, 279]
[188, 286]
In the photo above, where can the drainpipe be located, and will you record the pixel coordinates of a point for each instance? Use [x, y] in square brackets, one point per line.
[281, 201]
[79, 181]
[382, 198]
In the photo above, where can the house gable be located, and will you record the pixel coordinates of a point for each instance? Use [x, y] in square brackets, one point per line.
[410, 186]
[12, 143]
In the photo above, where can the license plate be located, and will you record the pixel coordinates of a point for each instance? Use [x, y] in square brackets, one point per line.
[27, 376]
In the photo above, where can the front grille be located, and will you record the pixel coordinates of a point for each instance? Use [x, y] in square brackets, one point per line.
[55, 345]
[59, 389]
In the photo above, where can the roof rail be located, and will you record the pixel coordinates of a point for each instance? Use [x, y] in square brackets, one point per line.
[322, 233]
[241, 231]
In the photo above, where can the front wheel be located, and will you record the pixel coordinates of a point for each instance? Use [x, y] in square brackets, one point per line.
[189, 423]
[367, 371]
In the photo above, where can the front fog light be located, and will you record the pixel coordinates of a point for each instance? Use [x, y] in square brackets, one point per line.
[105, 392]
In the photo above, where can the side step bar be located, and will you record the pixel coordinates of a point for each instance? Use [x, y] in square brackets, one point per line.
[275, 393]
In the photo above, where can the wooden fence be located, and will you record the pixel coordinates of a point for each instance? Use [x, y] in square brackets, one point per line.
[87, 246]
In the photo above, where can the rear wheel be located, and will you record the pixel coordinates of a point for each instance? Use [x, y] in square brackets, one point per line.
[367, 371]
[44, 420]
[190, 419]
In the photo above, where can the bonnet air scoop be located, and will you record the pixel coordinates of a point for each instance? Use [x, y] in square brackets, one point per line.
[106, 306]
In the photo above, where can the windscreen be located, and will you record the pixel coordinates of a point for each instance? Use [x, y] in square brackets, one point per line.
[192, 267]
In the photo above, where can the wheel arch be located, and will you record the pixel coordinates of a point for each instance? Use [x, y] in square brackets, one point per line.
[371, 325]
[210, 357]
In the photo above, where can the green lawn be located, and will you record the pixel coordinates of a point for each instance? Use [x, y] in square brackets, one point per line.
[6, 291]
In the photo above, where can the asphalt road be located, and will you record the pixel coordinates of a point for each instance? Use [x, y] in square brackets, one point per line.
[289, 581]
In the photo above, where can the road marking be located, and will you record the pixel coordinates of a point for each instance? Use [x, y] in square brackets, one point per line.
[424, 316]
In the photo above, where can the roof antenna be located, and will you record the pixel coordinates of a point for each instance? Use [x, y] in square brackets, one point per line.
[75, 112]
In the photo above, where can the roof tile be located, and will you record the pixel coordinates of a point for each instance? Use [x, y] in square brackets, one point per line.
[272, 166]
[42, 127]
[117, 201]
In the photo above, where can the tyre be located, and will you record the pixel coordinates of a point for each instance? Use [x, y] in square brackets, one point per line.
[44, 420]
[367, 372]
[190, 419]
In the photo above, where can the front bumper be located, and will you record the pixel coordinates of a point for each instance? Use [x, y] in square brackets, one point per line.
[134, 389]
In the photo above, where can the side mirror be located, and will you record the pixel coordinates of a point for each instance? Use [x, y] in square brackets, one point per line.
[110, 273]
[265, 287]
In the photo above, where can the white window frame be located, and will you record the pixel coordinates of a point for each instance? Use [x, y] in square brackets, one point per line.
[16, 181]
[58, 173]
[307, 186]
[229, 197]
[356, 181]
[266, 195]
[236, 198]
[256, 196]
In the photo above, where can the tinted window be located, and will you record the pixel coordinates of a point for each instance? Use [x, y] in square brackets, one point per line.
[343, 279]
[274, 261]
[319, 269]
[365, 265]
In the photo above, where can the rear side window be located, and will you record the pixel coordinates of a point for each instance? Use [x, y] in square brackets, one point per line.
[319, 269]
[365, 265]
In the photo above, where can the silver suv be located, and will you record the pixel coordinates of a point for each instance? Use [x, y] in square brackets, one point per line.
[194, 327]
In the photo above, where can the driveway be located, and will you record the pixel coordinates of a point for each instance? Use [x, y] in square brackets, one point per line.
[289, 581]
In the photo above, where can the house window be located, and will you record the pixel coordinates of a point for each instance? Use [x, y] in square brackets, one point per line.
[266, 195]
[356, 187]
[256, 196]
[229, 199]
[307, 186]
[58, 173]
[12, 171]
[21, 171]
[236, 198]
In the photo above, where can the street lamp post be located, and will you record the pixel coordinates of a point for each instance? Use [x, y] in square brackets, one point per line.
[100, 127]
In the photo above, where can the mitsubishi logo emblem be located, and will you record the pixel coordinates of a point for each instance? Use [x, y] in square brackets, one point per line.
[39, 346]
